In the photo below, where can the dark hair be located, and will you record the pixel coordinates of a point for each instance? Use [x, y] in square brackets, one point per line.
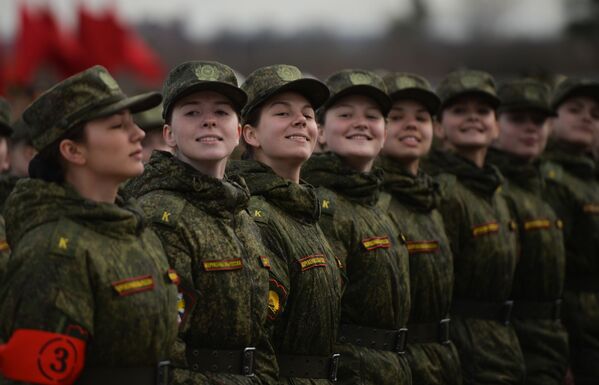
[48, 164]
[253, 119]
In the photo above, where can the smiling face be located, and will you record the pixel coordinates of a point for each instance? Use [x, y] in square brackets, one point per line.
[285, 132]
[204, 129]
[409, 133]
[577, 122]
[354, 129]
[523, 133]
[468, 124]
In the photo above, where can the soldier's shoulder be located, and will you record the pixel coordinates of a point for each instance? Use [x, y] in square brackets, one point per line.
[61, 237]
[552, 172]
[327, 200]
[448, 185]
[260, 210]
[164, 208]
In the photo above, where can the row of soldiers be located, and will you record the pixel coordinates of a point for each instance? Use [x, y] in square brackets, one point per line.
[341, 248]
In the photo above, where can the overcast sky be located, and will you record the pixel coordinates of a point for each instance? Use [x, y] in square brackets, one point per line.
[452, 19]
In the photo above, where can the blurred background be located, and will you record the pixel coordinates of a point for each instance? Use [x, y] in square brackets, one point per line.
[42, 41]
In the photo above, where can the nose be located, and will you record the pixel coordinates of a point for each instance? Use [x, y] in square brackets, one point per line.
[209, 122]
[137, 133]
[300, 120]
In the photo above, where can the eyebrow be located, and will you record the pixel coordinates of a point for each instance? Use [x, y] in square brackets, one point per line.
[288, 104]
[195, 103]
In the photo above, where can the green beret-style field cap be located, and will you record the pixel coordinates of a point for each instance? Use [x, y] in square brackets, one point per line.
[401, 85]
[464, 82]
[524, 94]
[357, 81]
[571, 87]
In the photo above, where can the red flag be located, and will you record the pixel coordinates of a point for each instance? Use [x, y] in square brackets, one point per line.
[110, 43]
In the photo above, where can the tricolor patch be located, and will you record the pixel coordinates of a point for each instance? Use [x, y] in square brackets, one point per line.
[537, 224]
[265, 262]
[422, 247]
[312, 261]
[591, 208]
[376, 243]
[173, 277]
[484, 229]
[133, 285]
[223, 264]
[4, 246]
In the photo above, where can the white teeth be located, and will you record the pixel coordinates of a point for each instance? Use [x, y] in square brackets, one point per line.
[358, 137]
[410, 140]
[208, 139]
[298, 138]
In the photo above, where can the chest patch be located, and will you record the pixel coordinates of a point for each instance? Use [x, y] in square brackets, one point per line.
[537, 224]
[485, 229]
[223, 264]
[422, 247]
[591, 208]
[4, 246]
[376, 243]
[312, 261]
[133, 285]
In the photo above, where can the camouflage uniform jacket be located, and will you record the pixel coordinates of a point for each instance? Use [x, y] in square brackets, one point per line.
[7, 184]
[540, 271]
[483, 243]
[412, 204]
[94, 268]
[574, 194]
[375, 261]
[305, 282]
[216, 249]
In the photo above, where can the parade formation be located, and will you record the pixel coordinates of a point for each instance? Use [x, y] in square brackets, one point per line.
[376, 230]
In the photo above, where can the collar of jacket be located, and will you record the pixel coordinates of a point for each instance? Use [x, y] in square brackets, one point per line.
[165, 172]
[7, 184]
[524, 173]
[581, 165]
[34, 202]
[419, 192]
[329, 171]
[298, 200]
[484, 180]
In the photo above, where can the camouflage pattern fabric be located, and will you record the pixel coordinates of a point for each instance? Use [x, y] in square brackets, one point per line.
[213, 244]
[5, 118]
[483, 243]
[87, 95]
[356, 81]
[375, 262]
[541, 267]
[573, 192]
[402, 85]
[413, 207]
[571, 87]
[7, 184]
[464, 82]
[96, 268]
[305, 280]
[524, 94]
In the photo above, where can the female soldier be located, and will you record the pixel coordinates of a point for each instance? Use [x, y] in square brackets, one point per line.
[574, 194]
[412, 204]
[481, 234]
[87, 287]
[280, 134]
[376, 302]
[539, 277]
[210, 239]
[7, 182]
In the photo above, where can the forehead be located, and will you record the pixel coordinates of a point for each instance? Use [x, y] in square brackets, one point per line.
[200, 97]
[288, 97]
[582, 100]
[403, 104]
[471, 100]
[356, 100]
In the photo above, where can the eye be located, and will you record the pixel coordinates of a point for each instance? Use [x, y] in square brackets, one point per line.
[483, 111]
[344, 115]
[222, 113]
[191, 113]
[309, 116]
[459, 110]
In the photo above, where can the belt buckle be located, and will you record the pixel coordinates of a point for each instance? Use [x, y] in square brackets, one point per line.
[162, 372]
[334, 367]
[507, 313]
[444, 337]
[401, 341]
[247, 362]
[557, 310]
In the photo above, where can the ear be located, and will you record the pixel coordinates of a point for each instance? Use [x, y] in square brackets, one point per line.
[239, 129]
[250, 136]
[73, 152]
[169, 136]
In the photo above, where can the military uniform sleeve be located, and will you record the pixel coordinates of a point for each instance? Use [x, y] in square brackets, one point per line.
[452, 212]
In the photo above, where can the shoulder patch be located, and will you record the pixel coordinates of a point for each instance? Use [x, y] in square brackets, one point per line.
[374, 243]
[537, 224]
[259, 210]
[64, 239]
[327, 201]
[422, 247]
[551, 171]
[384, 201]
[163, 209]
[485, 229]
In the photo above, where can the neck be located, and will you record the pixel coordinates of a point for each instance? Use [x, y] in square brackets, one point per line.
[215, 168]
[476, 155]
[363, 165]
[93, 187]
[287, 169]
[411, 166]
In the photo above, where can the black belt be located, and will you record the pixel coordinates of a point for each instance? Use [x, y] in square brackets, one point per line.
[308, 366]
[151, 375]
[550, 310]
[221, 361]
[381, 339]
[497, 311]
[430, 332]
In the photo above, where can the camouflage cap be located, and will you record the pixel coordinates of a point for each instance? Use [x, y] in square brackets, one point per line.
[401, 85]
[268, 81]
[571, 87]
[150, 119]
[5, 127]
[88, 95]
[524, 94]
[464, 82]
[356, 81]
[195, 76]
[21, 132]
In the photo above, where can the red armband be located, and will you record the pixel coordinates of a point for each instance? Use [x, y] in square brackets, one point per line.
[42, 357]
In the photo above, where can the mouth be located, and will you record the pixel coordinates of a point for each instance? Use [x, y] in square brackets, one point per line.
[209, 139]
[358, 137]
[410, 140]
[472, 128]
[136, 154]
[298, 138]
